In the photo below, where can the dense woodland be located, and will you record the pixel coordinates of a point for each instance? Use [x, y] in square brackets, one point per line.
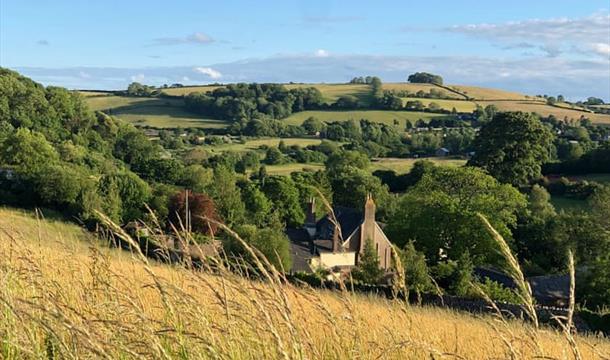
[57, 154]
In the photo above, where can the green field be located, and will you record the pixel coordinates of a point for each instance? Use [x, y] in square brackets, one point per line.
[287, 169]
[87, 93]
[181, 91]
[332, 92]
[156, 112]
[402, 166]
[256, 144]
[379, 116]
[104, 103]
[459, 105]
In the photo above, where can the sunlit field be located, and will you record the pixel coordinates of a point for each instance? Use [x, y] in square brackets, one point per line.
[63, 296]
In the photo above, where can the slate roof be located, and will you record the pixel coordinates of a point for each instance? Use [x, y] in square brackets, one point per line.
[349, 219]
[300, 249]
[547, 289]
[494, 275]
[550, 289]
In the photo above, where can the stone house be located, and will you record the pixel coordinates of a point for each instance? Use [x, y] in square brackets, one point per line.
[337, 240]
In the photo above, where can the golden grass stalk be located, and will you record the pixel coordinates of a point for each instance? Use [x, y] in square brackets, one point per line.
[64, 298]
[524, 290]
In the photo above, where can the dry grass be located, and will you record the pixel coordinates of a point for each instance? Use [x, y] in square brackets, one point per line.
[190, 89]
[61, 301]
[413, 88]
[546, 110]
[480, 93]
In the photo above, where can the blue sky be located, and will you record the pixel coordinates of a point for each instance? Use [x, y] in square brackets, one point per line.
[530, 46]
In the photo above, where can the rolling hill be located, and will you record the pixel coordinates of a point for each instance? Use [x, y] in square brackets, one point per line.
[163, 113]
[155, 112]
[65, 295]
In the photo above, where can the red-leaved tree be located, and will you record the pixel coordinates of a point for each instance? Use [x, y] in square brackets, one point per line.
[200, 206]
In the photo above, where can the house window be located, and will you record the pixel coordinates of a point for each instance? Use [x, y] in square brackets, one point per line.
[386, 257]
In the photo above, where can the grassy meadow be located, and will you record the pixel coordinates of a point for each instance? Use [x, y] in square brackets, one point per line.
[379, 116]
[168, 113]
[546, 110]
[287, 169]
[65, 296]
[185, 90]
[332, 92]
[459, 105]
[481, 93]
[156, 112]
[255, 144]
[402, 166]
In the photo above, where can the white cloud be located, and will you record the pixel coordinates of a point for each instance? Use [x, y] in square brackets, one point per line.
[574, 78]
[195, 38]
[321, 53]
[213, 74]
[137, 78]
[589, 34]
[185, 78]
[84, 75]
[601, 49]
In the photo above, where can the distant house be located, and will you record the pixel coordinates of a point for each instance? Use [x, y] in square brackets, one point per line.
[336, 241]
[549, 290]
[442, 152]
[553, 290]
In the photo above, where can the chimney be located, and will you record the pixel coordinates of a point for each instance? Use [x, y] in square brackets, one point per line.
[311, 211]
[367, 231]
[336, 245]
[310, 220]
[369, 209]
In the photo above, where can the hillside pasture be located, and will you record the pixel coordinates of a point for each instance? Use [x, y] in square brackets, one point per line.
[481, 93]
[87, 93]
[287, 169]
[403, 166]
[546, 110]
[256, 144]
[378, 116]
[400, 166]
[66, 301]
[156, 112]
[105, 103]
[413, 88]
[185, 90]
[459, 105]
[332, 92]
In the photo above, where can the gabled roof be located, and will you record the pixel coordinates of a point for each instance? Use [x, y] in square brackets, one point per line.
[300, 250]
[349, 219]
[550, 287]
